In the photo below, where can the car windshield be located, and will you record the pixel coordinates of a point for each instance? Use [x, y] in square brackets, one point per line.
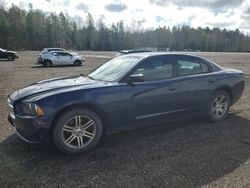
[114, 69]
[2, 50]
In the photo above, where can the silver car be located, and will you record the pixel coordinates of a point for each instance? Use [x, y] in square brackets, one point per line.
[46, 50]
[55, 58]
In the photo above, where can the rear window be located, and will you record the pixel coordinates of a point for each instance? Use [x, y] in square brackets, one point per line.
[186, 67]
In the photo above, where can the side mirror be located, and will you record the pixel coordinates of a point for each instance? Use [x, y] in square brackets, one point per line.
[136, 78]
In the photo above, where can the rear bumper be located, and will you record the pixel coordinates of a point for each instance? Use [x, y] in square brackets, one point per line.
[30, 129]
[238, 91]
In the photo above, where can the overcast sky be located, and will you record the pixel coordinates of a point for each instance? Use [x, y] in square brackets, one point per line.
[229, 14]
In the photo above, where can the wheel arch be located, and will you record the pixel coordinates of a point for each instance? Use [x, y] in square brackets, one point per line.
[228, 89]
[47, 60]
[90, 106]
[77, 60]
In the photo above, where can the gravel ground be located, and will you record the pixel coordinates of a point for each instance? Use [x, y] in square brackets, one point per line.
[191, 153]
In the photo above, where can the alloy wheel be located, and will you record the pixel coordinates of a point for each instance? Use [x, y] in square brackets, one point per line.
[220, 106]
[79, 131]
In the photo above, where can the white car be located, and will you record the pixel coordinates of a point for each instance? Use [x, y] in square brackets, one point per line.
[55, 58]
[46, 50]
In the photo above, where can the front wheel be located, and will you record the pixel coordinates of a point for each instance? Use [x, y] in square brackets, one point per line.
[77, 63]
[10, 58]
[47, 63]
[77, 131]
[219, 106]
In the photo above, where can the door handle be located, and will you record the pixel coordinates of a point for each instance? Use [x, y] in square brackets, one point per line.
[172, 88]
[211, 80]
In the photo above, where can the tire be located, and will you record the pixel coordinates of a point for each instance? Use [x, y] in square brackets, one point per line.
[219, 106]
[47, 63]
[77, 131]
[10, 58]
[77, 63]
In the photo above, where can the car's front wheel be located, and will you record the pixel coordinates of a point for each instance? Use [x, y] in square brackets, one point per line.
[77, 63]
[47, 63]
[219, 106]
[77, 131]
[10, 58]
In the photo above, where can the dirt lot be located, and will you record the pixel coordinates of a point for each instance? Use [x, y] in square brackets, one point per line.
[191, 153]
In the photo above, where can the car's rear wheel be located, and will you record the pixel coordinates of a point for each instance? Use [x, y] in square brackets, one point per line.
[219, 106]
[47, 63]
[77, 131]
[10, 58]
[77, 63]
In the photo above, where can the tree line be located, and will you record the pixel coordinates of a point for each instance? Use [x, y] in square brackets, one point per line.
[35, 29]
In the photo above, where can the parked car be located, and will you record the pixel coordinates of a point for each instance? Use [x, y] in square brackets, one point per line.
[126, 92]
[42, 55]
[55, 58]
[9, 55]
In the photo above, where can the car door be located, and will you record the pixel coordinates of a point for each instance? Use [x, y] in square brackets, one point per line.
[68, 58]
[196, 82]
[58, 58]
[154, 98]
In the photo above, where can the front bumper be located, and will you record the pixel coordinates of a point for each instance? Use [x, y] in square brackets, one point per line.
[39, 60]
[29, 128]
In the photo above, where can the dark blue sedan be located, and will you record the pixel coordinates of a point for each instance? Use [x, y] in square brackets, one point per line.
[126, 92]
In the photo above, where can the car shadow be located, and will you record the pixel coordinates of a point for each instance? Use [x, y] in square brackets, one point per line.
[5, 60]
[188, 153]
[61, 66]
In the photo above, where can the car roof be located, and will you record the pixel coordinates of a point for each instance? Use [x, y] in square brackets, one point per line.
[54, 48]
[135, 51]
[53, 51]
[150, 54]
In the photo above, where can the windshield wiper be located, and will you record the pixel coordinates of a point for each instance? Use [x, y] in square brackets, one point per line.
[90, 77]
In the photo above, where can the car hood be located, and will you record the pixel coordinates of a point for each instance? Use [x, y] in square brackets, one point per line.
[12, 52]
[53, 84]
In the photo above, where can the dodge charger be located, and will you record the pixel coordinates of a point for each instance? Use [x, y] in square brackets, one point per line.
[126, 92]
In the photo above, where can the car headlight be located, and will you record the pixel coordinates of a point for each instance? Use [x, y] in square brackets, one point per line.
[32, 109]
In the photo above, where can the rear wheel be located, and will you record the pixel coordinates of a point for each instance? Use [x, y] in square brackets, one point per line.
[47, 63]
[77, 131]
[219, 106]
[77, 63]
[10, 58]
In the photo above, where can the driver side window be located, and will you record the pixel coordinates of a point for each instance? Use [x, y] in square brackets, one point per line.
[155, 69]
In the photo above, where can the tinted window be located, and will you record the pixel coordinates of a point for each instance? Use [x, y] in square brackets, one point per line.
[63, 54]
[155, 69]
[54, 49]
[66, 54]
[59, 54]
[191, 66]
[204, 67]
